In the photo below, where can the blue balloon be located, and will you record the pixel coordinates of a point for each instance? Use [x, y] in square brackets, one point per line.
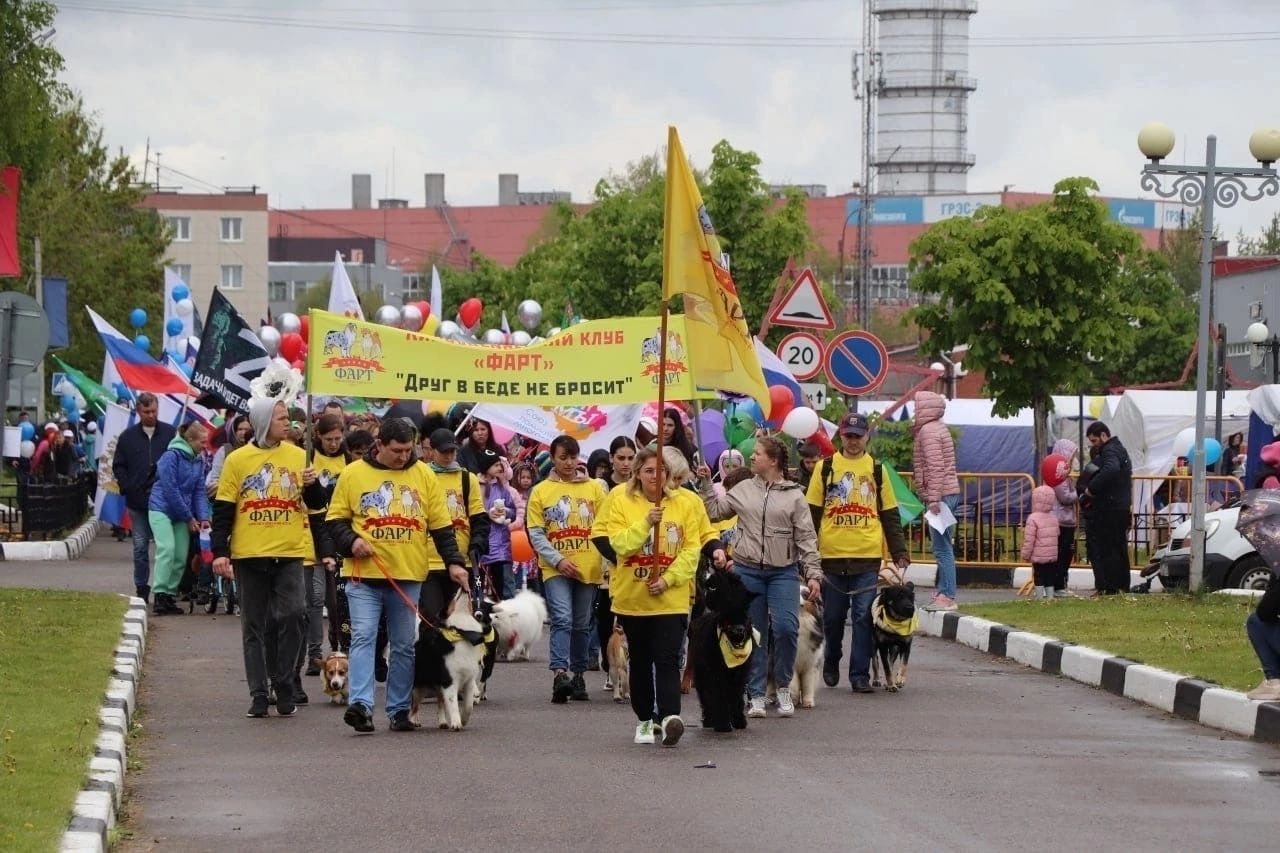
[173, 327]
[752, 409]
[143, 343]
[137, 318]
[68, 401]
[180, 292]
[1212, 452]
[28, 431]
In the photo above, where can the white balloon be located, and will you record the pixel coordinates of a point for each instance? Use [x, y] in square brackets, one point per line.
[270, 337]
[387, 315]
[1184, 441]
[288, 323]
[411, 318]
[27, 449]
[555, 330]
[529, 312]
[184, 307]
[800, 423]
[520, 339]
[494, 337]
[448, 329]
[194, 343]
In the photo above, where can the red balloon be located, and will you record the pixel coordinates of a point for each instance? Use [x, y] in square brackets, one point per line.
[469, 312]
[300, 365]
[305, 321]
[822, 441]
[781, 402]
[1054, 469]
[291, 346]
[424, 307]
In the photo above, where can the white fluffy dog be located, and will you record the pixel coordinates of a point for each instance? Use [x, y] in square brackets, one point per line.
[519, 623]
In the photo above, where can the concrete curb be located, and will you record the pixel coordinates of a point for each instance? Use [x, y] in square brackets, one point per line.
[71, 548]
[925, 574]
[1182, 696]
[98, 802]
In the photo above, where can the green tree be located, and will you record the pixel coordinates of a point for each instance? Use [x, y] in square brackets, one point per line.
[1181, 250]
[1266, 243]
[1036, 292]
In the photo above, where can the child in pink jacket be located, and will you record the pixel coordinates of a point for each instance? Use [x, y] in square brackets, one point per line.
[1040, 540]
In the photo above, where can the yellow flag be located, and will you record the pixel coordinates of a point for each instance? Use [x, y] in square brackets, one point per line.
[722, 354]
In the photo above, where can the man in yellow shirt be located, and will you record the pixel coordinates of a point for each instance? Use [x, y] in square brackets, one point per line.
[856, 514]
[260, 538]
[384, 510]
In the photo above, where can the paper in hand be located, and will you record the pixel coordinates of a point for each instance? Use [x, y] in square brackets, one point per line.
[942, 520]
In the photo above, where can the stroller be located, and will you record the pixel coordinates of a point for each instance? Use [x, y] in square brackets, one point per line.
[221, 589]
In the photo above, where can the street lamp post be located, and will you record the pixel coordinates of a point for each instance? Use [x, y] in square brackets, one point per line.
[1209, 185]
[1261, 337]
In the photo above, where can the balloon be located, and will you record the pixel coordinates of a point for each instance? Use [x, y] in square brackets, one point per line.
[288, 323]
[28, 430]
[424, 308]
[193, 343]
[28, 449]
[740, 426]
[529, 313]
[387, 315]
[299, 365]
[578, 321]
[1212, 451]
[822, 441]
[801, 423]
[520, 339]
[1183, 441]
[751, 409]
[305, 323]
[746, 446]
[781, 401]
[502, 435]
[521, 550]
[411, 318]
[142, 342]
[470, 312]
[430, 325]
[291, 346]
[270, 337]
[1054, 469]
[68, 401]
[137, 318]
[436, 407]
[494, 337]
[281, 362]
[184, 307]
[448, 329]
[555, 330]
[180, 292]
[173, 327]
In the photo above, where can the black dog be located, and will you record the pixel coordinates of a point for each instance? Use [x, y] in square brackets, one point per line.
[721, 641]
[893, 621]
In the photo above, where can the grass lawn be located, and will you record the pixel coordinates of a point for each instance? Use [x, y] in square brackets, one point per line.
[55, 658]
[1194, 635]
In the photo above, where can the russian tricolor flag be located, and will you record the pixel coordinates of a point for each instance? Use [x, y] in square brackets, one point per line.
[137, 369]
[776, 373]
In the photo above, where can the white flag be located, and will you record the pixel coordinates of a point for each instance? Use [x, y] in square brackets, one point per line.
[437, 294]
[342, 296]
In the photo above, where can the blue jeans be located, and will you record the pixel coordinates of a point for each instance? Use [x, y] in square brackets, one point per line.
[140, 529]
[944, 552]
[571, 606]
[775, 609]
[839, 593]
[1265, 637]
[367, 603]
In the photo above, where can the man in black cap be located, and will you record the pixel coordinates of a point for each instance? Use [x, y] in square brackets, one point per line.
[465, 503]
[855, 513]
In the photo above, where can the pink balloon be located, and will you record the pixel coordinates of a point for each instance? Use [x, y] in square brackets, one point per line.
[502, 435]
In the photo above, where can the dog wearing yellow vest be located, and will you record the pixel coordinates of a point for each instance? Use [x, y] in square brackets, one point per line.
[893, 622]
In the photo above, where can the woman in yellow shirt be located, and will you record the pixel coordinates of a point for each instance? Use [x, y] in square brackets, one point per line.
[651, 583]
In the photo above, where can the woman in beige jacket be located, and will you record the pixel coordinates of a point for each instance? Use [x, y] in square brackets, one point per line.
[774, 548]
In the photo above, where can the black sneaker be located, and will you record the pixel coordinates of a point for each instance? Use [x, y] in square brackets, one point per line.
[831, 677]
[594, 663]
[561, 688]
[313, 666]
[258, 707]
[359, 718]
[862, 685]
[300, 697]
[579, 685]
[285, 708]
[400, 722]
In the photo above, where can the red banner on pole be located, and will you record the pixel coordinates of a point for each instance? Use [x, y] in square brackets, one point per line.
[10, 262]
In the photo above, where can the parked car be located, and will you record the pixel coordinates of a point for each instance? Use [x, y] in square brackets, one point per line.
[1230, 562]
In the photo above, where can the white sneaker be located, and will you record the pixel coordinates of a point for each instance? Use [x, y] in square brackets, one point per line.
[785, 706]
[644, 732]
[755, 707]
[1267, 691]
[608, 682]
[670, 731]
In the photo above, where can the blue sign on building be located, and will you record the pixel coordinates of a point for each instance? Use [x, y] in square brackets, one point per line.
[1136, 213]
[891, 210]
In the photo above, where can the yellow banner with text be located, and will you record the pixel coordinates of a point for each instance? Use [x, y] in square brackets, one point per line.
[602, 362]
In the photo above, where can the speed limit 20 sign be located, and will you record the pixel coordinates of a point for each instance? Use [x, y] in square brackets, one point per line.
[801, 352]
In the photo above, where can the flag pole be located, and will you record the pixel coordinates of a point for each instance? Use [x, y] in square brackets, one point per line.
[662, 404]
[307, 439]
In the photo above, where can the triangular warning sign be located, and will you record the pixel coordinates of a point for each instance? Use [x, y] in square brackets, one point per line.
[803, 306]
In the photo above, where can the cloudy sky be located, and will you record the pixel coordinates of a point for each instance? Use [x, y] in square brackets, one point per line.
[296, 96]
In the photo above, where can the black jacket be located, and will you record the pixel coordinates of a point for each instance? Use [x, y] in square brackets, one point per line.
[134, 463]
[1110, 482]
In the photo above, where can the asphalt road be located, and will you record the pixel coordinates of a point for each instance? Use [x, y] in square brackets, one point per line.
[976, 754]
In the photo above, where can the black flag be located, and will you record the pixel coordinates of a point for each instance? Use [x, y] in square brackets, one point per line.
[231, 356]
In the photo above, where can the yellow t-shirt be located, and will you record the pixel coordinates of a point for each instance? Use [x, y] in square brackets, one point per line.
[266, 487]
[850, 520]
[394, 511]
[328, 468]
[459, 515]
[683, 531]
[567, 511]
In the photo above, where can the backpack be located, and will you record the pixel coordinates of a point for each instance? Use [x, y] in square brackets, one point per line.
[877, 472]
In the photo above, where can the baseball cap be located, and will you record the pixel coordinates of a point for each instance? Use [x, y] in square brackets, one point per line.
[854, 423]
[444, 440]
[66, 433]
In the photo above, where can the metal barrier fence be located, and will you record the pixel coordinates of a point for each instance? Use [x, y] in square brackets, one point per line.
[35, 510]
[993, 509]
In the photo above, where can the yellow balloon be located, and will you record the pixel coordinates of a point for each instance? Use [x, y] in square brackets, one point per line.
[1095, 407]
[436, 407]
[431, 325]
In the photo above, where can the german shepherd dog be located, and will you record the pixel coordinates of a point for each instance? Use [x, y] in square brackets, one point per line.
[722, 631]
[893, 620]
